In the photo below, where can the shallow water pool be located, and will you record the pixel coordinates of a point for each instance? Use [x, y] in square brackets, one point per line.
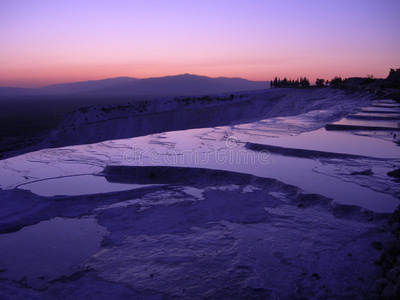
[76, 185]
[39, 253]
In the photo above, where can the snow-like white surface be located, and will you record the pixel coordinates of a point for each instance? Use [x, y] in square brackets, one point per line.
[339, 142]
[95, 124]
[239, 224]
[391, 124]
[223, 148]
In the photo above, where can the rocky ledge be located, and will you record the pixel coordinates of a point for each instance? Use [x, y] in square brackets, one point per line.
[388, 285]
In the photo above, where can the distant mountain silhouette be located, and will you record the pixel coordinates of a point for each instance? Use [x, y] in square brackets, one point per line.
[182, 85]
[12, 91]
[169, 86]
[86, 86]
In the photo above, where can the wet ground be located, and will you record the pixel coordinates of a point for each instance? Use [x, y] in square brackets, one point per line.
[197, 213]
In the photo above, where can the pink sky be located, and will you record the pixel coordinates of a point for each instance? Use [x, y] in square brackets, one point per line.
[46, 41]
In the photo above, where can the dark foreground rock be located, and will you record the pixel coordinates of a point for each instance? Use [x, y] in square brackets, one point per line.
[395, 173]
[388, 286]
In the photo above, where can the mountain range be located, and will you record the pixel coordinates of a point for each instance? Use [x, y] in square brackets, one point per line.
[179, 85]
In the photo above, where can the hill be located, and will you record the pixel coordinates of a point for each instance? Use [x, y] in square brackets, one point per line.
[86, 86]
[149, 88]
[181, 85]
[12, 91]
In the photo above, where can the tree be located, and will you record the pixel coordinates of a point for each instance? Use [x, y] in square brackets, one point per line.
[335, 81]
[370, 79]
[320, 82]
[304, 82]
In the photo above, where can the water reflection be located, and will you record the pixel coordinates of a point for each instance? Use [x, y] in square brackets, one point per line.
[76, 185]
[39, 253]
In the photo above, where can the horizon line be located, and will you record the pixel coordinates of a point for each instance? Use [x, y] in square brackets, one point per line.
[143, 78]
[171, 75]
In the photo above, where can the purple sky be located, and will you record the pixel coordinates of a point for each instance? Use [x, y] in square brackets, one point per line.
[51, 41]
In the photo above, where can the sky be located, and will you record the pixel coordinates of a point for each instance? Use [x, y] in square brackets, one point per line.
[52, 41]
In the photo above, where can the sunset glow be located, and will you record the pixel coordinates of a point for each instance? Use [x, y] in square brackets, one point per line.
[45, 41]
